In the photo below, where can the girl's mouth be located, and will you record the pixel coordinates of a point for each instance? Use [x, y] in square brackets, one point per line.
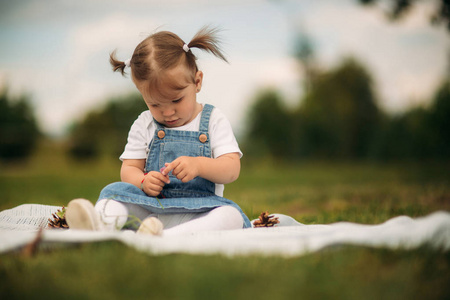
[171, 123]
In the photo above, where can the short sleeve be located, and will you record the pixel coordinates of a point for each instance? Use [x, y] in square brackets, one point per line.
[139, 137]
[223, 140]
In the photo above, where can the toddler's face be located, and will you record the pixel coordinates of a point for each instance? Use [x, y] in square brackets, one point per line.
[174, 103]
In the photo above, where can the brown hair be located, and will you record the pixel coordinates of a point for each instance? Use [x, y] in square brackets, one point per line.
[163, 50]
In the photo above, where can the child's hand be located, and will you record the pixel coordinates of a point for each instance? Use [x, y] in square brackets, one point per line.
[154, 183]
[185, 168]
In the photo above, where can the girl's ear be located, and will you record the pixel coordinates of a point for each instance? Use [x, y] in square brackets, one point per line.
[198, 80]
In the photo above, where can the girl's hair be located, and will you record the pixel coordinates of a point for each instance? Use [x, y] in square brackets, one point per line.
[163, 50]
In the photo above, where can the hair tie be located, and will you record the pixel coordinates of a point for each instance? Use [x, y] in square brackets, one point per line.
[186, 48]
[127, 62]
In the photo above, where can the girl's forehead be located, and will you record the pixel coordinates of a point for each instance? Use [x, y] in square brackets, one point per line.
[167, 85]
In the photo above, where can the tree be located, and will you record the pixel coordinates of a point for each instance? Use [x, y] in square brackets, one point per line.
[105, 131]
[399, 8]
[19, 131]
[339, 116]
[420, 133]
[304, 53]
[269, 125]
[440, 121]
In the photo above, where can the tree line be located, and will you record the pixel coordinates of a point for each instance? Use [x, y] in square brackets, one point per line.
[339, 118]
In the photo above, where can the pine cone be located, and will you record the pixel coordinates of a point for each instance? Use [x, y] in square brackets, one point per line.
[265, 220]
[59, 219]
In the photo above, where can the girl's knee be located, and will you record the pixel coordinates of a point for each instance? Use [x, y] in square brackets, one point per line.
[112, 213]
[230, 216]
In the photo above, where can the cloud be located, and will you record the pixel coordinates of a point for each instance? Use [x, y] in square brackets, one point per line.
[232, 87]
[65, 87]
[87, 78]
[73, 75]
[118, 30]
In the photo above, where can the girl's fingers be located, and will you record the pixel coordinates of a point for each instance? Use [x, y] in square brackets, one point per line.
[171, 167]
[182, 176]
[155, 188]
[154, 183]
[166, 170]
[159, 178]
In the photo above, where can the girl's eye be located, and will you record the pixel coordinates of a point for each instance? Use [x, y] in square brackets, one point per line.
[177, 101]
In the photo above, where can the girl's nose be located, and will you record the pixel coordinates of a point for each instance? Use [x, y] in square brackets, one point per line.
[167, 112]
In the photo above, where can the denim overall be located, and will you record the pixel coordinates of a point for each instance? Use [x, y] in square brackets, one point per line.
[197, 195]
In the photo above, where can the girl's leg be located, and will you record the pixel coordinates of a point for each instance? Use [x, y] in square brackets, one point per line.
[107, 215]
[220, 218]
[115, 214]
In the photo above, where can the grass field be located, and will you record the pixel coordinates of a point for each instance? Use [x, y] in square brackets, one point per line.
[311, 192]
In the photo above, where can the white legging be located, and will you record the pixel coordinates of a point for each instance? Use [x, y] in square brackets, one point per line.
[115, 214]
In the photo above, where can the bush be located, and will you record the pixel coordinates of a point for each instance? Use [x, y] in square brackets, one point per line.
[105, 131]
[19, 132]
[420, 133]
[268, 130]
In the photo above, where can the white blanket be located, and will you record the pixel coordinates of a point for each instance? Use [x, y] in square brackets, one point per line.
[20, 225]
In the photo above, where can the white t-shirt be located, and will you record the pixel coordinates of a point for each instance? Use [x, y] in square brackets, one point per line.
[221, 136]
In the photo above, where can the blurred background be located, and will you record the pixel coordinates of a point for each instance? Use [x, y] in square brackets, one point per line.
[341, 108]
[347, 79]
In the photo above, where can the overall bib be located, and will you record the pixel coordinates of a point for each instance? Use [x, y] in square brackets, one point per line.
[195, 196]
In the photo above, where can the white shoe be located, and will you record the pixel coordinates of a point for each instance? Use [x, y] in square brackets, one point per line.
[151, 225]
[81, 214]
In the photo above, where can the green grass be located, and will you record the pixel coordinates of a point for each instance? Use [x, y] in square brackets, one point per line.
[312, 192]
[113, 271]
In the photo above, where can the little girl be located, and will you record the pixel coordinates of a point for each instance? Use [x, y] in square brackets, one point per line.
[179, 154]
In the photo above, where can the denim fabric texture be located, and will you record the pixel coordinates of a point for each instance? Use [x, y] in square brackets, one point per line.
[197, 195]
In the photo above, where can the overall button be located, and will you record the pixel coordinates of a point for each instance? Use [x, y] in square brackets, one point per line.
[203, 138]
[161, 134]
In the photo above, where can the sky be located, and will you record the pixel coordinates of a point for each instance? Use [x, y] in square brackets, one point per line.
[57, 51]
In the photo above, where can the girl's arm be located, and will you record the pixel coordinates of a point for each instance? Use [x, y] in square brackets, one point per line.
[224, 169]
[132, 171]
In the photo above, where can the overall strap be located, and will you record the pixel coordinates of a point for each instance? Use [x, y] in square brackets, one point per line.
[158, 125]
[206, 114]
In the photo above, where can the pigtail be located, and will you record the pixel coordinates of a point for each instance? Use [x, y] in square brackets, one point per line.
[164, 50]
[117, 65]
[206, 39]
